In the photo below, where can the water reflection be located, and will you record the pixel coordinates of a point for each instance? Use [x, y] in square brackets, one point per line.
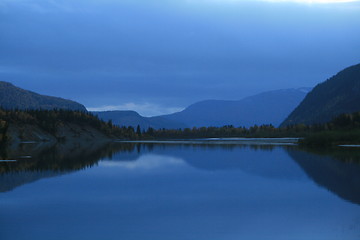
[337, 170]
[37, 161]
[252, 159]
[178, 191]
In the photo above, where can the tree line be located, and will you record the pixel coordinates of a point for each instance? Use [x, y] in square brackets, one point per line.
[346, 125]
[51, 120]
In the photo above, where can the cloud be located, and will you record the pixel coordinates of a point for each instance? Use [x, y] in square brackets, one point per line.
[144, 109]
[155, 58]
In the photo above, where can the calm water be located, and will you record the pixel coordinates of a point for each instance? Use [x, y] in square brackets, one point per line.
[179, 191]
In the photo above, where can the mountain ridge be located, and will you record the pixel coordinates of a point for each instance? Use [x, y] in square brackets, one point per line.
[13, 97]
[337, 95]
[132, 118]
[270, 107]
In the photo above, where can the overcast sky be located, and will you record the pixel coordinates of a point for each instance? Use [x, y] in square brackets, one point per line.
[159, 56]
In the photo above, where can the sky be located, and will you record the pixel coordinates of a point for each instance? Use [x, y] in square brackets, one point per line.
[159, 56]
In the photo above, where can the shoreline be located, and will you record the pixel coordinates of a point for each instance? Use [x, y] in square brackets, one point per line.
[253, 141]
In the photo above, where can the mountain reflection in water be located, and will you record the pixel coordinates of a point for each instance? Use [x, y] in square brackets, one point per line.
[337, 170]
[177, 191]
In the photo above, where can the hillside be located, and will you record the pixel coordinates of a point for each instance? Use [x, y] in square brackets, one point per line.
[339, 94]
[56, 126]
[12, 97]
[132, 118]
[265, 108]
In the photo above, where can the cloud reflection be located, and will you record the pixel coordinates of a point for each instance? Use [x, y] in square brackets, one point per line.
[146, 162]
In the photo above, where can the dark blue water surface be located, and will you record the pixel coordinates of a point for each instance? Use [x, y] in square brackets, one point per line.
[180, 191]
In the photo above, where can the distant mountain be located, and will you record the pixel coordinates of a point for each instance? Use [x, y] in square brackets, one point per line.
[339, 94]
[12, 97]
[265, 108]
[132, 118]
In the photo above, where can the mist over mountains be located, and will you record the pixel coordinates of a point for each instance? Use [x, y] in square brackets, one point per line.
[132, 118]
[339, 94]
[265, 108]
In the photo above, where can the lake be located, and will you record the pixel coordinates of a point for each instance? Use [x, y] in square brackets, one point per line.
[186, 190]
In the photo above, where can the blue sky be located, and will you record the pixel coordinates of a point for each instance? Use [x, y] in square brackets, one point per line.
[160, 56]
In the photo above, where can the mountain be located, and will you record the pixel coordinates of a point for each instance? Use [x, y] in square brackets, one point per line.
[339, 94]
[132, 118]
[265, 108]
[56, 126]
[12, 97]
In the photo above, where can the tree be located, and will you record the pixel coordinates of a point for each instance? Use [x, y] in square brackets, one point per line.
[138, 130]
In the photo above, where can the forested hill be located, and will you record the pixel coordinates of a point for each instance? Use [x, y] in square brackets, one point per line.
[339, 94]
[57, 125]
[12, 97]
